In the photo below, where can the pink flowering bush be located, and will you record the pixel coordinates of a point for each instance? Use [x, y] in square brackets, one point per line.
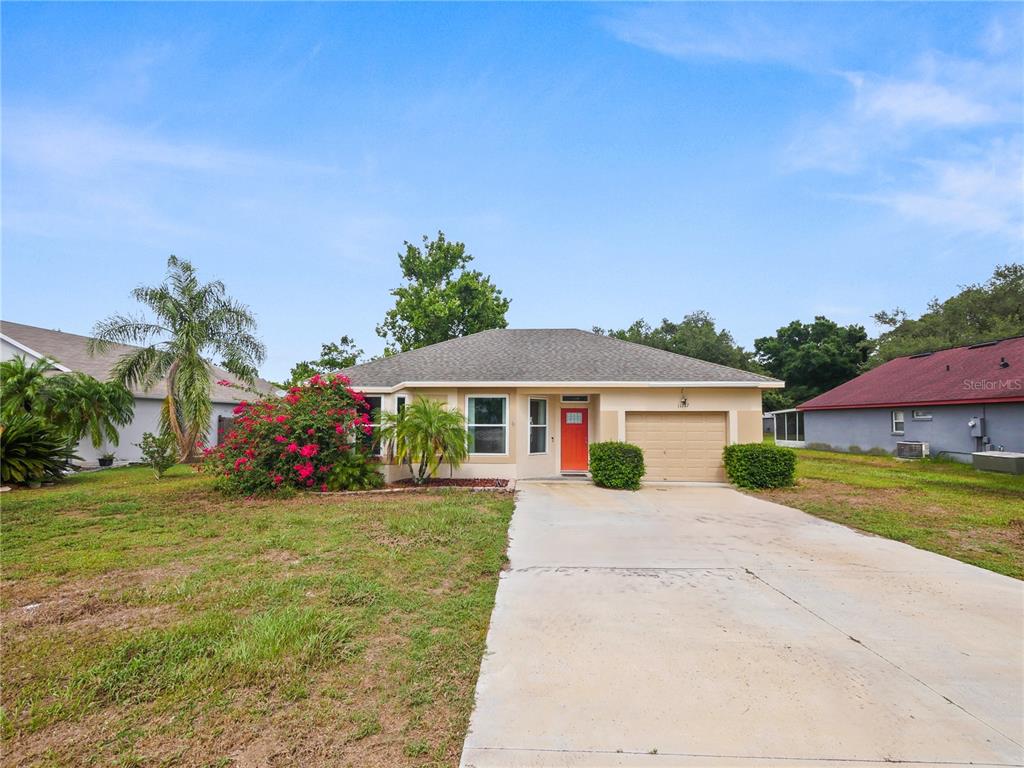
[294, 441]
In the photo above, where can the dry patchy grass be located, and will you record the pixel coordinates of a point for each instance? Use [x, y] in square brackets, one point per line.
[941, 506]
[154, 622]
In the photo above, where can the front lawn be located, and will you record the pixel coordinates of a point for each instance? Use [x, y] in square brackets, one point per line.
[155, 622]
[945, 507]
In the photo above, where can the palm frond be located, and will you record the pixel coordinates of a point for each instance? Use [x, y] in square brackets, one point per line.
[123, 329]
[141, 368]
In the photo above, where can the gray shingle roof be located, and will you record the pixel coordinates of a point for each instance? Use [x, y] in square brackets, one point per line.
[542, 355]
[71, 351]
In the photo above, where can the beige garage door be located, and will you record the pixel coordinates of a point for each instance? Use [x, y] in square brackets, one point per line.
[679, 446]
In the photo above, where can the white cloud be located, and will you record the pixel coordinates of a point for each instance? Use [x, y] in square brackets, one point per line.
[906, 102]
[980, 193]
[940, 145]
[741, 34]
[73, 144]
[938, 141]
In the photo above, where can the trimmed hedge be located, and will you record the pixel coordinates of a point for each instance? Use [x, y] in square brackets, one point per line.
[760, 465]
[616, 465]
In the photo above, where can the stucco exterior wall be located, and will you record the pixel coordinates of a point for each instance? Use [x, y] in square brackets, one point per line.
[146, 419]
[947, 430]
[606, 418]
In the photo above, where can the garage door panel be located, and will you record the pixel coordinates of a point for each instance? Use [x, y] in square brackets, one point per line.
[679, 446]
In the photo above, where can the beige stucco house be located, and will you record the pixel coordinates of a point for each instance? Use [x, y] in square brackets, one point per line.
[534, 399]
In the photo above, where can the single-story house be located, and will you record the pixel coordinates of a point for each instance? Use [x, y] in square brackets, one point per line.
[70, 352]
[958, 401]
[534, 400]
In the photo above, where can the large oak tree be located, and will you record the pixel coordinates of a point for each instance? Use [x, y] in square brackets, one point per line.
[440, 299]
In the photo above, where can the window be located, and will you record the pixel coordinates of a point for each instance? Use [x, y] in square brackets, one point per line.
[789, 426]
[897, 422]
[487, 423]
[575, 398]
[371, 442]
[400, 404]
[538, 425]
[918, 415]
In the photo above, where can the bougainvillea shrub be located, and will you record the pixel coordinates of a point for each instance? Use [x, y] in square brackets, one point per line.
[293, 441]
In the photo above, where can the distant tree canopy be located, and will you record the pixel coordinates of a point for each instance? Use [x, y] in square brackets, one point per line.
[695, 336]
[440, 299]
[812, 358]
[333, 357]
[979, 312]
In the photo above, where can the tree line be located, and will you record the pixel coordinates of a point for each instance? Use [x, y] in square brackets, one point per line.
[813, 357]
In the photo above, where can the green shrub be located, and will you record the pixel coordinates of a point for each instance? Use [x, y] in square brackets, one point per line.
[32, 450]
[760, 465]
[161, 453]
[616, 465]
[353, 471]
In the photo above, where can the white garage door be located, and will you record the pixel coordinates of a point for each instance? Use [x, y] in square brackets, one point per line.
[679, 446]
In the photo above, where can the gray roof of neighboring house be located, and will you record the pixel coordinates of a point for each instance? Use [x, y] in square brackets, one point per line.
[71, 351]
[542, 355]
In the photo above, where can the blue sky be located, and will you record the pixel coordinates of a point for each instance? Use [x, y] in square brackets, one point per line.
[605, 162]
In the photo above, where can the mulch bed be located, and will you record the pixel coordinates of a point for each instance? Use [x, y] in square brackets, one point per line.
[456, 482]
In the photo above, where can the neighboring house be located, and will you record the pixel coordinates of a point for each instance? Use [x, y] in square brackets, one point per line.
[70, 353]
[535, 399]
[957, 400]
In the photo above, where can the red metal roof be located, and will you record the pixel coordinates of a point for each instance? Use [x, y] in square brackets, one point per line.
[974, 374]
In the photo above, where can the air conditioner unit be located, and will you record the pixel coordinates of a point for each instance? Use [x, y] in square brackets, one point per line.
[911, 449]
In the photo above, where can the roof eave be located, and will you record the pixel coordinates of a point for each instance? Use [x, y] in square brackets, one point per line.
[37, 355]
[387, 389]
[913, 404]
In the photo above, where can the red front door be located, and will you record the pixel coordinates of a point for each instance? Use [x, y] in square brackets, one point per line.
[574, 440]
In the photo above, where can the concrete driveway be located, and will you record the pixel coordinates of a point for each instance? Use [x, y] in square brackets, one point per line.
[699, 626]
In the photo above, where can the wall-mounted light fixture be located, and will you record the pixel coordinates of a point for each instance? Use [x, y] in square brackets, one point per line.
[682, 399]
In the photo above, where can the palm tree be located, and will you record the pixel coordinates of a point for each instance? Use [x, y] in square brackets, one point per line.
[22, 384]
[426, 434]
[83, 406]
[192, 320]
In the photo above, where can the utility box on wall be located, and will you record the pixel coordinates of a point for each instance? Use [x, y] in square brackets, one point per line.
[977, 426]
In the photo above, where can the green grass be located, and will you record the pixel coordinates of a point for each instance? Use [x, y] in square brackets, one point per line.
[941, 506]
[178, 627]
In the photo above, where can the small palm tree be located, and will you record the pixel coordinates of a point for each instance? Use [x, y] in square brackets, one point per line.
[22, 384]
[192, 320]
[85, 407]
[425, 435]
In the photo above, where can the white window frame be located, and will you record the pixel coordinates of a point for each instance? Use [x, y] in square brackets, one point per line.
[376, 425]
[902, 420]
[582, 399]
[505, 424]
[401, 401]
[531, 426]
[921, 414]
